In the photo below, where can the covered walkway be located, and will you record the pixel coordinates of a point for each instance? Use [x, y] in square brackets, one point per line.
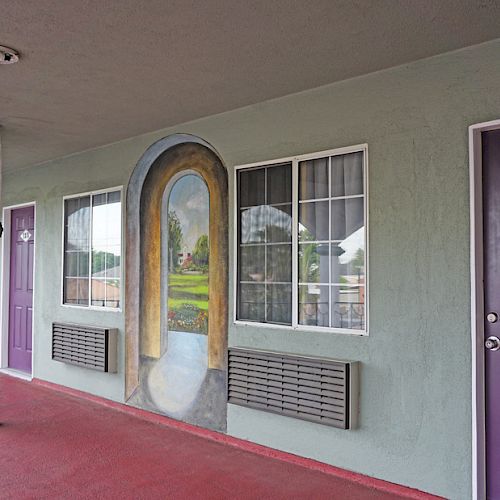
[59, 445]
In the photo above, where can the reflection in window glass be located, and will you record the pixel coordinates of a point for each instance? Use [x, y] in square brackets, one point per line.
[279, 298]
[106, 250]
[314, 307]
[92, 250]
[313, 221]
[348, 306]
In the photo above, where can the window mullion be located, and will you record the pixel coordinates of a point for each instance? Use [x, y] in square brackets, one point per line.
[105, 281]
[91, 203]
[330, 241]
[295, 247]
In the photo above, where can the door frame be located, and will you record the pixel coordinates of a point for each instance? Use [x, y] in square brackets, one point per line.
[5, 284]
[477, 308]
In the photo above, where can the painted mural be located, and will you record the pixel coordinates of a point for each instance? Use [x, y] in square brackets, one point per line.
[180, 383]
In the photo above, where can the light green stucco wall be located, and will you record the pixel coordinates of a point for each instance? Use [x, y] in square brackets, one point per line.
[415, 421]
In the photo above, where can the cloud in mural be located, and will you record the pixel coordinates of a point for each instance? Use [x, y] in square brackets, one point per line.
[189, 200]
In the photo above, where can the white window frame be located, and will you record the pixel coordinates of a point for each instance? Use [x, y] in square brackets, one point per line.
[90, 307]
[294, 160]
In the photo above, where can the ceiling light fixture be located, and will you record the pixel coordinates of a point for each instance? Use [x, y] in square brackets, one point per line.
[8, 56]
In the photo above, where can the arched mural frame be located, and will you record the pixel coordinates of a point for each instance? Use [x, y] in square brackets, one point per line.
[158, 165]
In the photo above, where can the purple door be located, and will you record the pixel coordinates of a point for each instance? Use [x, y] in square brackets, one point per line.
[491, 230]
[21, 288]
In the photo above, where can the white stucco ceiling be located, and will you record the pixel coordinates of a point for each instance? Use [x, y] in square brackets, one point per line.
[94, 71]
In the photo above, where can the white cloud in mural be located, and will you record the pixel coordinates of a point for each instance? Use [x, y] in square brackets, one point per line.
[190, 201]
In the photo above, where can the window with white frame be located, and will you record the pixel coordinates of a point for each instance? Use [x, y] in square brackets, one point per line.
[301, 241]
[92, 250]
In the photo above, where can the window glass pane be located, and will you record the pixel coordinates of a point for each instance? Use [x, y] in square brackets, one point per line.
[99, 199]
[348, 259]
[313, 263]
[348, 307]
[114, 197]
[253, 225]
[72, 264]
[313, 179]
[106, 249]
[77, 220]
[252, 187]
[76, 291]
[279, 300]
[112, 292]
[314, 305]
[347, 217]
[279, 184]
[347, 174]
[252, 302]
[279, 224]
[278, 259]
[83, 264]
[98, 292]
[252, 263]
[313, 221]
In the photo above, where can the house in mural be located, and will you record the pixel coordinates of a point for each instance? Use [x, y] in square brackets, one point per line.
[184, 257]
[281, 217]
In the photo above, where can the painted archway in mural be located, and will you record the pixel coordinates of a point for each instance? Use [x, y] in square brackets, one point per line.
[151, 376]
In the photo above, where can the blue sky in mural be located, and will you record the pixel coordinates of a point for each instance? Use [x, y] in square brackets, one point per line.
[189, 200]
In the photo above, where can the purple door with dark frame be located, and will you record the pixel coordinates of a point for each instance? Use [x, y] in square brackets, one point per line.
[491, 232]
[22, 245]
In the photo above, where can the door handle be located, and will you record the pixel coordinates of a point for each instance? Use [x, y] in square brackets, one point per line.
[492, 343]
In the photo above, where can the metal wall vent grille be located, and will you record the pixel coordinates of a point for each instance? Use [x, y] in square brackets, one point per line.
[319, 390]
[90, 347]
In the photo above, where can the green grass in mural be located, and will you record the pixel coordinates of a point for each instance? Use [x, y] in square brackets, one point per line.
[174, 304]
[187, 285]
[188, 302]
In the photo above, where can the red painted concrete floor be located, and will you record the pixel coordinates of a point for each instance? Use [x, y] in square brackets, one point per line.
[56, 445]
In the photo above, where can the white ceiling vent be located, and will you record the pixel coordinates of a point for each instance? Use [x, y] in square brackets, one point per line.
[8, 56]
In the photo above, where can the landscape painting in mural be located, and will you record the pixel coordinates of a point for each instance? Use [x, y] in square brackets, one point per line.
[188, 255]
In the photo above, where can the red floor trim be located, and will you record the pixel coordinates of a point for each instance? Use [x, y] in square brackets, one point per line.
[378, 484]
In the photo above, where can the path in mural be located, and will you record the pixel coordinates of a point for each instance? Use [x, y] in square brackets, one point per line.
[180, 384]
[185, 361]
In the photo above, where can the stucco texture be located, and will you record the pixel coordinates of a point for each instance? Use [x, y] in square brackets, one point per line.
[415, 420]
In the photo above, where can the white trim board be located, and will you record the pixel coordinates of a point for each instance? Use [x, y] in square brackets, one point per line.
[5, 284]
[477, 308]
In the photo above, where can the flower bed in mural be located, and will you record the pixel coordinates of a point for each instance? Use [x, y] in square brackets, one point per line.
[188, 302]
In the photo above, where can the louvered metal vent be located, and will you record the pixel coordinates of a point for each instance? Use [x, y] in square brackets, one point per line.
[86, 346]
[319, 390]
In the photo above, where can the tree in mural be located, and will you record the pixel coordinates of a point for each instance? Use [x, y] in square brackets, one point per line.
[174, 239]
[200, 252]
